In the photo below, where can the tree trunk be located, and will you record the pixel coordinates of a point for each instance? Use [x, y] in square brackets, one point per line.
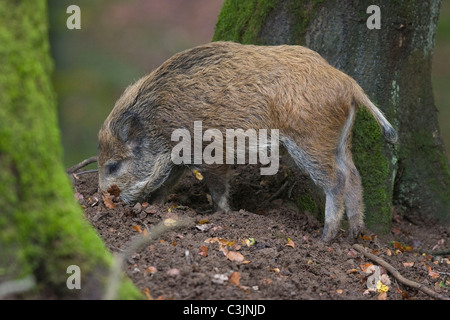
[43, 230]
[393, 66]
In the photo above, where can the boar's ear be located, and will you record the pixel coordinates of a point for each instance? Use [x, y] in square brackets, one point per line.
[129, 129]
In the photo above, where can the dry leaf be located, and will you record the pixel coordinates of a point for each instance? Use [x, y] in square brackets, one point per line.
[236, 246]
[364, 267]
[290, 243]
[234, 278]
[440, 243]
[146, 291]
[432, 273]
[203, 221]
[211, 240]
[382, 287]
[382, 296]
[405, 295]
[173, 272]
[203, 251]
[169, 222]
[364, 237]
[137, 228]
[408, 264]
[108, 202]
[198, 175]
[235, 256]
[78, 196]
[248, 242]
[352, 253]
[203, 227]
[400, 247]
[151, 269]
[114, 190]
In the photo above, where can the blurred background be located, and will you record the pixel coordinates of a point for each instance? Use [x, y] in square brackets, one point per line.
[121, 41]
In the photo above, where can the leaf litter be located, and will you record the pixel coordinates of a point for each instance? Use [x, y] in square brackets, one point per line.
[248, 251]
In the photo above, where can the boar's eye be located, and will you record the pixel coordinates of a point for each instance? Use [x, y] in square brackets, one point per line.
[112, 167]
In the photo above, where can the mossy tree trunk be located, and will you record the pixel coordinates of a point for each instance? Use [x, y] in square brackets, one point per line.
[393, 66]
[42, 228]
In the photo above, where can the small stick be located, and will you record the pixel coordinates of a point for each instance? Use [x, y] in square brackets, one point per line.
[397, 275]
[276, 194]
[438, 252]
[86, 172]
[137, 243]
[82, 164]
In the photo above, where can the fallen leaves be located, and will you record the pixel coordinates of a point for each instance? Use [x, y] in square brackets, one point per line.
[431, 273]
[112, 194]
[173, 272]
[198, 175]
[290, 243]
[151, 270]
[234, 256]
[408, 264]
[377, 281]
[203, 251]
[114, 190]
[401, 247]
[225, 246]
[169, 222]
[235, 278]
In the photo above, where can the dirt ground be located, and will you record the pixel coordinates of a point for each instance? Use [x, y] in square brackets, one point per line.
[263, 249]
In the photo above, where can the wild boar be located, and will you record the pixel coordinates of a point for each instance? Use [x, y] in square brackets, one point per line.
[229, 85]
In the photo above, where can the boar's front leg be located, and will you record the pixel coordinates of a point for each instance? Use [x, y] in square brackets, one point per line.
[160, 196]
[216, 178]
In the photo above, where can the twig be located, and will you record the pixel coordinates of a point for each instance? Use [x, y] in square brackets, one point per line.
[290, 189]
[86, 172]
[437, 252]
[82, 164]
[397, 275]
[276, 194]
[138, 242]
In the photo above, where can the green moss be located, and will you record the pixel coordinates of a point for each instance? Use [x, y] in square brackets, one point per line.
[306, 203]
[374, 168]
[241, 21]
[43, 228]
[302, 12]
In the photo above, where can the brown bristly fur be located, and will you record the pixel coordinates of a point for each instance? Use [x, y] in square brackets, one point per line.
[227, 85]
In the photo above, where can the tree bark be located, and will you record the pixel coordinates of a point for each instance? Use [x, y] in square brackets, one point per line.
[393, 66]
[43, 230]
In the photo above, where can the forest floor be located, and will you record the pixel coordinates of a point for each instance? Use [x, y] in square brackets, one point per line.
[263, 249]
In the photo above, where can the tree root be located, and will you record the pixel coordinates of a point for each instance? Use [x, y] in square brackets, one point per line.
[397, 275]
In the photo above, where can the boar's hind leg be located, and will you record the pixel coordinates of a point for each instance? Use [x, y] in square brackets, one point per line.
[160, 195]
[354, 201]
[216, 178]
[334, 207]
[329, 177]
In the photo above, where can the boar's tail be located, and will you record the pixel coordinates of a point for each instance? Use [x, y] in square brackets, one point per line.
[361, 98]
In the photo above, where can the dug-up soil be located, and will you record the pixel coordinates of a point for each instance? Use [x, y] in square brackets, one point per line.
[267, 248]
